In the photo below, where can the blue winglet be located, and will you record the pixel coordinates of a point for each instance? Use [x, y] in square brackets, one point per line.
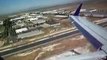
[78, 10]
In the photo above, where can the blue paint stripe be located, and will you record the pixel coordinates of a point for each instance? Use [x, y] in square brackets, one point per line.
[89, 37]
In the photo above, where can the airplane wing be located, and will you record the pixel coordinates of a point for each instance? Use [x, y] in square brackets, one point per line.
[95, 34]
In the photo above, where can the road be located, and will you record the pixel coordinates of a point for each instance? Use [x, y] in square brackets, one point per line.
[28, 47]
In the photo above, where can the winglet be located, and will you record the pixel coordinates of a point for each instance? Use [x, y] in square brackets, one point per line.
[78, 10]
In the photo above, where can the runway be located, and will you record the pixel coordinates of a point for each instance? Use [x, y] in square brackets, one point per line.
[35, 45]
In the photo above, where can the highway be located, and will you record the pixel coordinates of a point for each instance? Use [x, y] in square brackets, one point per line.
[36, 44]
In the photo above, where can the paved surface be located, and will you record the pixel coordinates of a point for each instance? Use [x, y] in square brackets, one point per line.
[27, 47]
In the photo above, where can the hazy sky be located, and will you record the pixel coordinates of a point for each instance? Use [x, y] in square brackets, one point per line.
[10, 6]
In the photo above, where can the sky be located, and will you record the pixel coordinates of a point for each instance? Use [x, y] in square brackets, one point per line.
[11, 6]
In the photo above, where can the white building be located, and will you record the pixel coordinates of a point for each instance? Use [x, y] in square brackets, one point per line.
[1, 22]
[50, 12]
[38, 21]
[18, 18]
[20, 23]
[32, 19]
[21, 30]
[30, 34]
[61, 16]
[41, 16]
[98, 15]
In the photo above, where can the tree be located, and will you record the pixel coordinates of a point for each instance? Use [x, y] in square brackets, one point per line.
[7, 24]
[50, 17]
[9, 33]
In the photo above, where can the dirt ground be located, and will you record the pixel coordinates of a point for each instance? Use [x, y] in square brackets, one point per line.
[46, 51]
